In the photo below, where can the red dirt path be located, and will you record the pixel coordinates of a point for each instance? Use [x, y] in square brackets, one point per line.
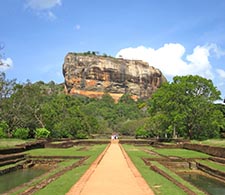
[112, 173]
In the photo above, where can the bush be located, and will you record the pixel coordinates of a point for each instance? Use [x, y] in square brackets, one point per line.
[2, 133]
[141, 133]
[81, 135]
[41, 133]
[21, 133]
[3, 128]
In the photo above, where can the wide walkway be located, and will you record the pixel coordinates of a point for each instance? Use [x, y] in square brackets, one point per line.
[112, 173]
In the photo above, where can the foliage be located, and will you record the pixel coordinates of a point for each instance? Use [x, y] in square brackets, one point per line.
[141, 132]
[3, 129]
[64, 117]
[221, 107]
[21, 133]
[81, 135]
[7, 87]
[185, 108]
[41, 105]
[2, 133]
[22, 108]
[41, 133]
[88, 53]
[129, 127]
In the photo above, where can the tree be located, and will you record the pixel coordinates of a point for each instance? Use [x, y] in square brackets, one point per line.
[129, 127]
[63, 116]
[7, 87]
[25, 106]
[128, 108]
[103, 110]
[21, 103]
[141, 132]
[221, 107]
[187, 107]
[3, 129]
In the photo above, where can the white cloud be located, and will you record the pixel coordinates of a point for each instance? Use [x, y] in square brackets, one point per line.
[42, 4]
[43, 7]
[172, 60]
[221, 73]
[216, 50]
[5, 64]
[199, 62]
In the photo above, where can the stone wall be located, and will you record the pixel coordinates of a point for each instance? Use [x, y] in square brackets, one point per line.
[214, 151]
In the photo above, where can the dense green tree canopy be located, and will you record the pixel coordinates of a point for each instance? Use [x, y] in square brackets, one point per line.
[183, 108]
[186, 108]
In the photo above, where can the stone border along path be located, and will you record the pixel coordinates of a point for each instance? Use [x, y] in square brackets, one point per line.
[112, 173]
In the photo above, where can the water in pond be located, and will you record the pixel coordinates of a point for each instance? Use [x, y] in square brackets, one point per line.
[208, 184]
[13, 179]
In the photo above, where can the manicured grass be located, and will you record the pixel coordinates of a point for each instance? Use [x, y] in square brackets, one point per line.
[183, 153]
[10, 143]
[73, 151]
[66, 181]
[159, 184]
[11, 165]
[213, 165]
[178, 178]
[211, 142]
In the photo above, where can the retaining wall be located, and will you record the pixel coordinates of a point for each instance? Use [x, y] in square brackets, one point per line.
[214, 151]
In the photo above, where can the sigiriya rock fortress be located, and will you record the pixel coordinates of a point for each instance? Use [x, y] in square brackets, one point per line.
[93, 75]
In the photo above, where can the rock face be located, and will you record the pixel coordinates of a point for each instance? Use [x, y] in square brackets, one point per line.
[92, 76]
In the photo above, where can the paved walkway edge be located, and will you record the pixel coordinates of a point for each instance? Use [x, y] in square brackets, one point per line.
[78, 187]
[141, 181]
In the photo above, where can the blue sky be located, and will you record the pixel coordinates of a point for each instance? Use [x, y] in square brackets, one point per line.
[178, 37]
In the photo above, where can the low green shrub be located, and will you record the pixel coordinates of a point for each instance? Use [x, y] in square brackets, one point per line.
[21, 133]
[41, 133]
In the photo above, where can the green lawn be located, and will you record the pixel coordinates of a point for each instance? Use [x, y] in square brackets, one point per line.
[213, 165]
[73, 151]
[178, 178]
[159, 184]
[183, 153]
[66, 181]
[211, 142]
[10, 143]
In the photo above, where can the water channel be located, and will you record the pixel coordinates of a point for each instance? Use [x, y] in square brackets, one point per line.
[13, 179]
[207, 184]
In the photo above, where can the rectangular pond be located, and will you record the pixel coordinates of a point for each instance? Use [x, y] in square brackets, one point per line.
[13, 179]
[210, 185]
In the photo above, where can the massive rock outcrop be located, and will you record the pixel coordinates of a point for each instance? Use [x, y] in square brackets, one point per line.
[92, 76]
